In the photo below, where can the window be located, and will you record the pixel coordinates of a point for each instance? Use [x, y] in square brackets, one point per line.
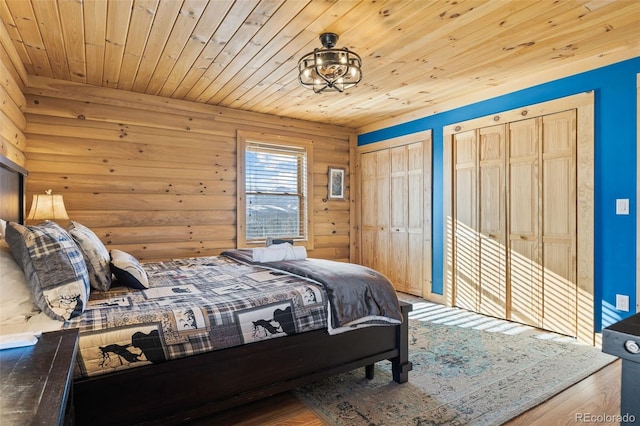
[274, 189]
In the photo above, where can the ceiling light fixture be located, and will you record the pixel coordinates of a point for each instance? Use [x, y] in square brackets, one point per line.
[329, 69]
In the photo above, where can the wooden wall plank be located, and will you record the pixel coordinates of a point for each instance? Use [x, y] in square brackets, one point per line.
[51, 127]
[138, 218]
[11, 109]
[116, 36]
[26, 23]
[95, 29]
[121, 115]
[39, 182]
[166, 234]
[230, 38]
[171, 202]
[12, 152]
[182, 34]
[12, 133]
[249, 42]
[164, 20]
[98, 166]
[48, 21]
[201, 37]
[89, 93]
[12, 102]
[142, 17]
[215, 154]
[158, 251]
[71, 18]
[14, 55]
[212, 69]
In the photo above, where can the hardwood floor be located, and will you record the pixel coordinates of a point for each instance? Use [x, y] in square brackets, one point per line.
[597, 395]
[279, 410]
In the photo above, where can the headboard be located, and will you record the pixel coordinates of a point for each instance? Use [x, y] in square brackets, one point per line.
[12, 187]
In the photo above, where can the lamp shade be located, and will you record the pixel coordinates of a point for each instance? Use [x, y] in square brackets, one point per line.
[47, 206]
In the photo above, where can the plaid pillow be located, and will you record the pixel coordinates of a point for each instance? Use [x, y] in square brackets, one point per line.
[54, 267]
[95, 254]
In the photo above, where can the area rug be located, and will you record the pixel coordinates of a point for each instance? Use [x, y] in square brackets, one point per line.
[460, 376]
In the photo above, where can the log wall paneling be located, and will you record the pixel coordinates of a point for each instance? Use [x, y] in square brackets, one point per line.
[157, 177]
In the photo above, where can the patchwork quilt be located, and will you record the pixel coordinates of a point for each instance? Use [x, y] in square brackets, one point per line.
[193, 306]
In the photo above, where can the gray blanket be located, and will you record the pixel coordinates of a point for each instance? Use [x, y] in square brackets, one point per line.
[357, 295]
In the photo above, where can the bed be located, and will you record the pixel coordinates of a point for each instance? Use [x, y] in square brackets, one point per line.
[206, 382]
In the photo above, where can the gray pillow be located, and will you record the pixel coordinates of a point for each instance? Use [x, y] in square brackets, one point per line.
[54, 267]
[95, 254]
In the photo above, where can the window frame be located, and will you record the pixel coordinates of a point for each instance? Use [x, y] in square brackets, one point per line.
[243, 138]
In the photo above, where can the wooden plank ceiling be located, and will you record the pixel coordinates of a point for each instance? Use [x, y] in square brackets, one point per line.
[418, 56]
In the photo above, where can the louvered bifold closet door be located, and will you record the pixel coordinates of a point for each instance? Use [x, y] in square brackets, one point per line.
[559, 222]
[524, 255]
[375, 185]
[467, 247]
[407, 218]
[520, 242]
[399, 229]
[415, 218]
[491, 221]
[393, 214]
[515, 221]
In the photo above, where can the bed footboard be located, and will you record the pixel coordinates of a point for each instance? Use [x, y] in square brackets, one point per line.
[400, 365]
[188, 388]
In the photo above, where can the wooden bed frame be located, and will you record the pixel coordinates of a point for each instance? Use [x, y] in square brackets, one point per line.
[188, 388]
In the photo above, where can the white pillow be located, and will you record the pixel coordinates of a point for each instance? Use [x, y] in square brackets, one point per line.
[15, 300]
[128, 270]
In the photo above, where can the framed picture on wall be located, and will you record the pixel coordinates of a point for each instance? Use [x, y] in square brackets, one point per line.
[336, 183]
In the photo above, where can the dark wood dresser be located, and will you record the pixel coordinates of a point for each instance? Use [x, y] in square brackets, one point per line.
[36, 381]
[622, 339]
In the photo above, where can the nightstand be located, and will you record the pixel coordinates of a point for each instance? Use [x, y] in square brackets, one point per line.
[622, 339]
[36, 381]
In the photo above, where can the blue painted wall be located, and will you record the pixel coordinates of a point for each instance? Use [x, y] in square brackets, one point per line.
[615, 172]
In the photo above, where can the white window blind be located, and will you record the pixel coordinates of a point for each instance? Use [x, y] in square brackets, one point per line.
[276, 191]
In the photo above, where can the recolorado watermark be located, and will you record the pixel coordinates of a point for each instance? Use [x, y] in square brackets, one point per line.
[605, 418]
